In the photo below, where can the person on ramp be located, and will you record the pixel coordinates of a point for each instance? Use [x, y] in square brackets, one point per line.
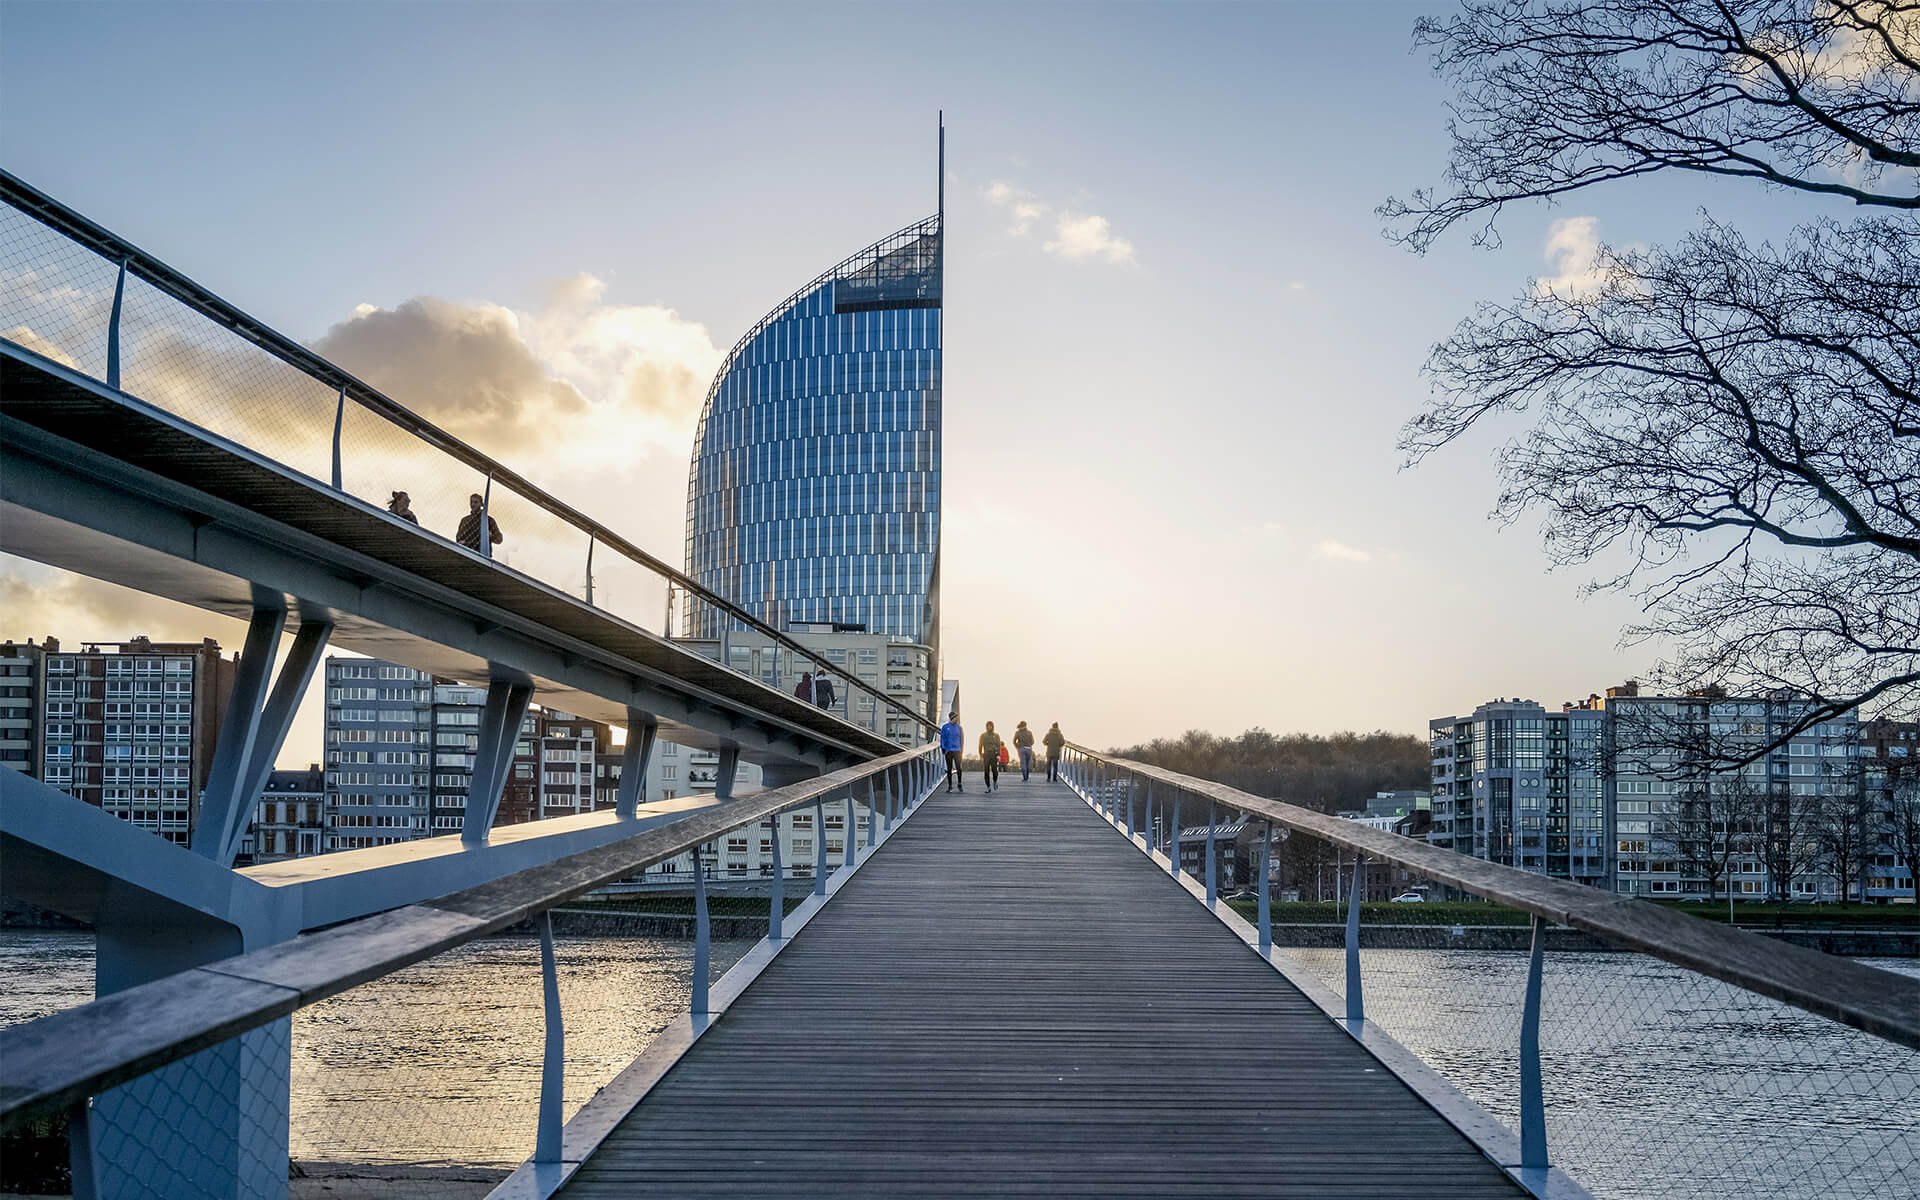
[1023, 742]
[990, 750]
[953, 743]
[1053, 742]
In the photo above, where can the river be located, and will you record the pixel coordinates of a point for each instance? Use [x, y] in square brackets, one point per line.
[1659, 1082]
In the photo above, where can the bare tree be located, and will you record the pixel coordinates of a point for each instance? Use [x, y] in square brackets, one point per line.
[1811, 95]
[1789, 840]
[1899, 819]
[1712, 822]
[1845, 830]
[1736, 426]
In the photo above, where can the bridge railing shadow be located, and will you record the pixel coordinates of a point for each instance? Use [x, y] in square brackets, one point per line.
[390, 1080]
[1591, 1043]
[74, 292]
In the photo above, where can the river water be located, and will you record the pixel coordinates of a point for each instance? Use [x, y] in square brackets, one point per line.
[1659, 1082]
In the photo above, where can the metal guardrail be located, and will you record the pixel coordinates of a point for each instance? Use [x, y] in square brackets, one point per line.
[61, 1060]
[1836, 988]
[132, 261]
[1144, 802]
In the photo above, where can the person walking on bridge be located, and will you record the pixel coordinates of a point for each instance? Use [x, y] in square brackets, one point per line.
[469, 535]
[991, 748]
[953, 743]
[1023, 742]
[402, 506]
[1053, 742]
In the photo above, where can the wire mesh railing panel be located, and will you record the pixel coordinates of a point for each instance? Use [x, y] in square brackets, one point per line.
[56, 297]
[1656, 1080]
[378, 459]
[179, 361]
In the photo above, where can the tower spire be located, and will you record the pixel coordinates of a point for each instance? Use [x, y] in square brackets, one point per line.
[942, 210]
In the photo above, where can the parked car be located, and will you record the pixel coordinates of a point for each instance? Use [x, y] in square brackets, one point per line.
[1409, 898]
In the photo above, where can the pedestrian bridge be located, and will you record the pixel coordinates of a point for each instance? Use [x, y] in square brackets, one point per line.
[1022, 993]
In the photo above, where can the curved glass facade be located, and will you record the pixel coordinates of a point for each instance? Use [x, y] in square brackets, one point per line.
[814, 494]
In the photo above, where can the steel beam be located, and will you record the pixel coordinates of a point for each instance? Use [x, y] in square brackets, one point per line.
[226, 777]
[296, 675]
[643, 729]
[500, 720]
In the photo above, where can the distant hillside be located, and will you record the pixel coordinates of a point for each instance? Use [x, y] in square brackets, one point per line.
[1328, 773]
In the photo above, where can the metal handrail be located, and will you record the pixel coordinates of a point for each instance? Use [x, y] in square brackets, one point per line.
[115, 249]
[1878, 1002]
[63, 1058]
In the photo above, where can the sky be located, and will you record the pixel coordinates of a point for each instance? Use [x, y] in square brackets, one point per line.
[1178, 347]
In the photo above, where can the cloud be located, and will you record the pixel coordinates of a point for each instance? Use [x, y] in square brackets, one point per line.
[26, 338]
[1340, 552]
[1077, 236]
[1573, 251]
[579, 376]
[1081, 236]
[1020, 203]
[1297, 286]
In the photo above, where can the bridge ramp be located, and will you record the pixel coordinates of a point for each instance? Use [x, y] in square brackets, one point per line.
[1010, 1001]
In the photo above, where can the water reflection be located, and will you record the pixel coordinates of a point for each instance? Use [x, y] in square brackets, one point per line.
[1659, 1082]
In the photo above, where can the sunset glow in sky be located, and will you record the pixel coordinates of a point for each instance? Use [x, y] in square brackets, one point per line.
[1178, 347]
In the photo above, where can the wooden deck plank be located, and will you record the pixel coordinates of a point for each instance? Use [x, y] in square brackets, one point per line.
[1008, 1001]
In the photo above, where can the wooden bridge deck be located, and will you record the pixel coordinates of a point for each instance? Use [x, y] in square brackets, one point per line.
[1009, 1001]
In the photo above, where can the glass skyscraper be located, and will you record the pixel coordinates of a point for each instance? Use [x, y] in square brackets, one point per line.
[814, 494]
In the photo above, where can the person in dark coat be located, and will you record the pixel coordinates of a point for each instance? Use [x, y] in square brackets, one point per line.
[1053, 742]
[804, 689]
[823, 692]
[402, 506]
[1023, 744]
[990, 748]
[469, 535]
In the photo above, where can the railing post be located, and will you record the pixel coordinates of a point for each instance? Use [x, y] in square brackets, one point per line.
[80, 1160]
[820, 847]
[777, 902]
[589, 570]
[1173, 837]
[1266, 912]
[1130, 825]
[113, 329]
[1213, 889]
[886, 793]
[852, 840]
[1533, 1109]
[339, 418]
[1153, 830]
[1356, 1009]
[873, 814]
[546, 1146]
[486, 528]
[701, 935]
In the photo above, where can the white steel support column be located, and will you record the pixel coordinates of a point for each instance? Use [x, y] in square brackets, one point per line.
[238, 729]
[296, 673]
[507, 701]
[643, 730]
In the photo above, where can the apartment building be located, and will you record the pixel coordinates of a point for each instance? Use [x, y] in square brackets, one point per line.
[20, 713]
[128, 727]
[902, 669]
[379, 725]
[1889, 759]
[1521, 786]
[1637, 793]
[1676, 802]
